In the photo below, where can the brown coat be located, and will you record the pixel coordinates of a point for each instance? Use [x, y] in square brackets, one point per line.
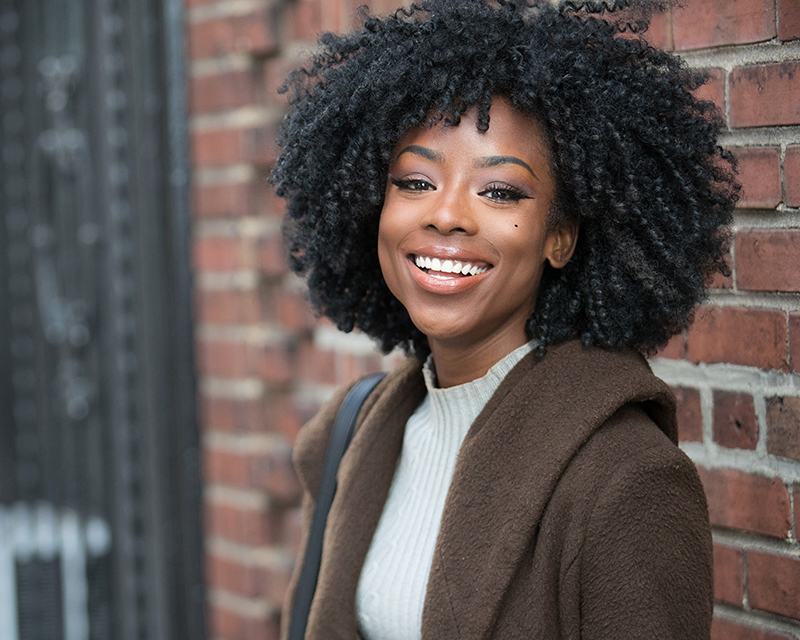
[571, 513]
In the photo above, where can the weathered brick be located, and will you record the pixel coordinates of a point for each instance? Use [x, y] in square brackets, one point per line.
[262, 150]
[675, 349]
[794, 339]
[719, 281]
[760, 176]
[714, 89]
[222, 91]
[217, 253]
[783, 427]
[791, 180]
[750, 337]
[221, 201]
[690, 419]
[220, 306]
[768, 260]
[724, 630]
[788, 19]
[276, 363]
[249, 526]
[735, 423]
[773, 583]
[710, 23]
[253, 33]
[764, 95]
[739, 500]
[217, 148]
[728, 575]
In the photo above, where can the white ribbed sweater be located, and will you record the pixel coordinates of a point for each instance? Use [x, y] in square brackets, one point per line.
[391, 589]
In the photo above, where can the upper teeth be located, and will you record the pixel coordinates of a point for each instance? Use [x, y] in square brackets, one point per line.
[449, 266]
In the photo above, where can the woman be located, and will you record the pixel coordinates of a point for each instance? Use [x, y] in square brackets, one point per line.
[526, 198]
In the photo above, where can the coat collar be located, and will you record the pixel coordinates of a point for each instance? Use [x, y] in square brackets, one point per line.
[509, 463]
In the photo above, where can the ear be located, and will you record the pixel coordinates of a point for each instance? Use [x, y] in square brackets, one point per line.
[561, 244]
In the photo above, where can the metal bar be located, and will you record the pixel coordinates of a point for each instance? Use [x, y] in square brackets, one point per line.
[9, 626]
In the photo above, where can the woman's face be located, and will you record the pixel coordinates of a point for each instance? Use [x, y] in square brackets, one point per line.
[463, 235]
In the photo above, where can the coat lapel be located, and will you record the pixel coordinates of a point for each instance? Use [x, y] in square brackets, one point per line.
[508, 467]
[364, 478]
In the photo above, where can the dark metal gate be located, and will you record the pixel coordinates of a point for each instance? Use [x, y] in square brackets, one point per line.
[99, 474]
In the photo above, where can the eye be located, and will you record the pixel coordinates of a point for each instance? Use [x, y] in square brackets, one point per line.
[412, 184]
[502, 192]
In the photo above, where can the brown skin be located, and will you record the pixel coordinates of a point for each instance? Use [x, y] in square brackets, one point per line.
[479, 199]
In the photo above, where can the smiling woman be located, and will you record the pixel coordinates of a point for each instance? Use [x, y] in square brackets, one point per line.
[525, 197]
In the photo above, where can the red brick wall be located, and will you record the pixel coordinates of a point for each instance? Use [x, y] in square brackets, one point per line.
[265, 364]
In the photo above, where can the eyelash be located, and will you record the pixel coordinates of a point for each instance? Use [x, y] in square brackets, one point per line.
[503, 192]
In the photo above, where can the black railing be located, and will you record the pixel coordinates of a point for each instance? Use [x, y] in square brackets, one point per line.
[99, 472]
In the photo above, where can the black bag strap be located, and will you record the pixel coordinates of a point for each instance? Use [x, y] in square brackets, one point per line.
[341, 435]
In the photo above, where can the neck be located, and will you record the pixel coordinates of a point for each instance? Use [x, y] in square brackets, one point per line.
[457, 365]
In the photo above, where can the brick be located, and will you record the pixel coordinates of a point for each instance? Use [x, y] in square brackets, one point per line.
[796, 495]
[765, 95]
[249, 526]
[768, 260]
[272, 256]
[728, 575]
[218, 253]
[221, 92]
[261, 148]
[675, 349]
[773, 583]
[228, 307]
[690, 418]
[305, 17]
[739, 500]
[714, 89]
[217, 148]
[791, 166]
[276, 363]
[224, 358]
[253, 33]
[749, 337]
[234, 625]
[788, 19]
[724, 630]
[760, 176]
[710, 23]
[273, 471]
[315, 364]
[221, 201]
[783, 427]
[794, 339]
[735, 424]
[294, 310]
[227, 468]
[275, 71]
[233, 414]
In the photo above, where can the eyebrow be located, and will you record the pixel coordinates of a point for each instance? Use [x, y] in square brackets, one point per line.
[428, 154]
[493, 161]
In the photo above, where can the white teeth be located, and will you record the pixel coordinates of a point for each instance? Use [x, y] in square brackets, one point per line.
[448, 266]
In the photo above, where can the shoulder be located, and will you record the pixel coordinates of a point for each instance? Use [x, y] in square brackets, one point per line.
[312, 441]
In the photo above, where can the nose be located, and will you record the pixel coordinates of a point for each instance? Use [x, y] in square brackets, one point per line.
[451, 213]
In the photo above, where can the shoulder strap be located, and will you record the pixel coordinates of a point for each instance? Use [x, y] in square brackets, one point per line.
[341, 435]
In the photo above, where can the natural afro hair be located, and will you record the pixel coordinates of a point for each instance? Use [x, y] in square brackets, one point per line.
[635, 156]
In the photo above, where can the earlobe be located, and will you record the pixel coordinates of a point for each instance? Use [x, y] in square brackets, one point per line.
[563, 240]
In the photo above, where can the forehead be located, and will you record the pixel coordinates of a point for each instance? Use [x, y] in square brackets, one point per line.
[510, 132]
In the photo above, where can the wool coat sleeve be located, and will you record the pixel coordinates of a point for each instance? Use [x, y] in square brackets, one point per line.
[645, 568]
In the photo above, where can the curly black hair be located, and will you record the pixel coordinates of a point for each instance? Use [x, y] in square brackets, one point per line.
[635, 156]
